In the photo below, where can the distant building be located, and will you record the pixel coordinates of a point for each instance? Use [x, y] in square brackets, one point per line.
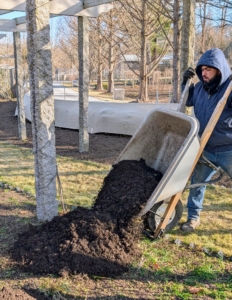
[166, 61]
[130, 62]
[66, 74]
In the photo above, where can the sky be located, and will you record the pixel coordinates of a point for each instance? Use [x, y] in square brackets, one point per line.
[12, 15]
[17, 14]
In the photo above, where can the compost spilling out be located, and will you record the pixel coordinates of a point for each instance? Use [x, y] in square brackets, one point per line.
[100, 241]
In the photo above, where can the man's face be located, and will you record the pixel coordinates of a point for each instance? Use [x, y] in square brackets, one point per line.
[208, 73]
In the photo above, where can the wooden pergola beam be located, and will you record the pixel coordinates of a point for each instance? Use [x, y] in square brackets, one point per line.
[12, 26]
[3, 12]
[65, 7]
[92, 3]
[20, 20]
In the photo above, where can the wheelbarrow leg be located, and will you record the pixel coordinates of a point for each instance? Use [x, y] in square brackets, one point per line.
[169, 210]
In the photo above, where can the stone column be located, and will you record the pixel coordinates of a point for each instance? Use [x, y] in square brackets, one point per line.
[19, 87]
[83, 50]
[42, 107]
[188, 35]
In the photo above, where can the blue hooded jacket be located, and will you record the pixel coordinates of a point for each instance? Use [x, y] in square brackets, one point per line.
[204, 103]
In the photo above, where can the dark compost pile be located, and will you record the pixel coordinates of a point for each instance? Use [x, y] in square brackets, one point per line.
[100, 241]
[9, 293]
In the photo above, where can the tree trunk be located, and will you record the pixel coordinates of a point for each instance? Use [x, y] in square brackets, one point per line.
[99, 57]
[19, 87]
[83, 51]
[188, 35]
[99, 70]
[110, 82]
[99, 77]
[203, 25]
[110, 88]
[223, 23]
[42, 107]
[143, 94]
[111, 59]
[176, 53]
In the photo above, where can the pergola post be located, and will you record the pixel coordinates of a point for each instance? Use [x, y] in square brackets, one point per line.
[188, 35]
[19, 87]
[83, 52]
[42, 107]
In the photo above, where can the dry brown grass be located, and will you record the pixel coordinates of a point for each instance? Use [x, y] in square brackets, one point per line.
[166, 270]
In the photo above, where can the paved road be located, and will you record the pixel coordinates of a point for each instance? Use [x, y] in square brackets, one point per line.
[64, 93]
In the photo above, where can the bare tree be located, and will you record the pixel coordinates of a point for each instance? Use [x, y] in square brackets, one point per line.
[68, 44]
[188, 35]
[106, 43]
[112, 22]
[97, 46]
[143, 34]
[171, 10]
[214, 26]
[204, 14]
[68, 40]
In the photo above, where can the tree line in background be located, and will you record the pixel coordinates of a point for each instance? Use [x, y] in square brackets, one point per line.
[138, 34]
[135, 32]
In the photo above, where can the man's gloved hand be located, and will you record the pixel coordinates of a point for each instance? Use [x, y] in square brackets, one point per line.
[189, 73]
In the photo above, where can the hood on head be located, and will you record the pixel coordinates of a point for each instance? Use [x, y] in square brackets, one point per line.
[214, 58]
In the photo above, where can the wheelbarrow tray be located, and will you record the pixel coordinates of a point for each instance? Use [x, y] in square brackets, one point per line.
[168, 142]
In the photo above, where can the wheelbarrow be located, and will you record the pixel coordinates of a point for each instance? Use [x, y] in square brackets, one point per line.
[168, 142]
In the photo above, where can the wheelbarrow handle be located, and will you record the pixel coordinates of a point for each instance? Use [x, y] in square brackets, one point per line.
[204, 161]
[184, 96]
[194, 185]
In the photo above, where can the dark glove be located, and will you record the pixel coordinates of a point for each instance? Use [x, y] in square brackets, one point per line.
[189, 73]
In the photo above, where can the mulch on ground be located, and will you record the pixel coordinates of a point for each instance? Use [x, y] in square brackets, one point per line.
[8, 293]
[101, 241]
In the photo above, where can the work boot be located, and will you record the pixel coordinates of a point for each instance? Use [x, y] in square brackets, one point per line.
[190, 225]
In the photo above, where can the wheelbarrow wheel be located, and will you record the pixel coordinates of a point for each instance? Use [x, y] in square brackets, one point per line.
[156, 213]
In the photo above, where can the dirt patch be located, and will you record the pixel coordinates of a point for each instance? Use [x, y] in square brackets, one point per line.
[104, 148]
[100, 241]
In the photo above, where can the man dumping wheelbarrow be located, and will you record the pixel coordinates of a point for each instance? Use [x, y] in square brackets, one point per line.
[214, 73]
[172, 143]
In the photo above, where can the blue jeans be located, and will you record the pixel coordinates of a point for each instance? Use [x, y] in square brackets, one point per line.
[203, 173]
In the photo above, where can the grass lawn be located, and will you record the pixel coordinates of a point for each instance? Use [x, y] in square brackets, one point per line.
[177, 266]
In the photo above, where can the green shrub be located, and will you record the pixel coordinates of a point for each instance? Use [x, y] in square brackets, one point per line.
[105, 86]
